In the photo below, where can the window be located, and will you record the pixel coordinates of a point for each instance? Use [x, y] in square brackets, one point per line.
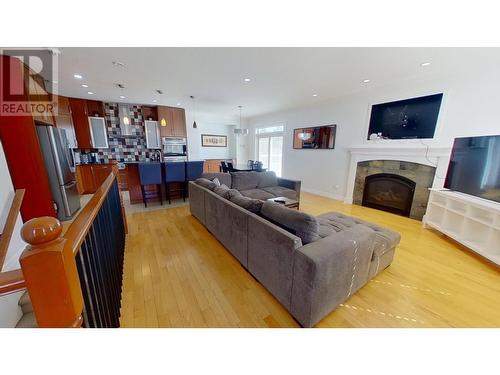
[270, 129]
[270, 147]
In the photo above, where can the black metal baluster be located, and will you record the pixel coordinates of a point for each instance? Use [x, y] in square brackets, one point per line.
[89, 314]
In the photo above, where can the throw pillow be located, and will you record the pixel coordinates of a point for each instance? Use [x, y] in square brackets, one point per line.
[205, 183]
[216, 181]
[252, 205]
[222, 191]
[234, 193]
[296, 222]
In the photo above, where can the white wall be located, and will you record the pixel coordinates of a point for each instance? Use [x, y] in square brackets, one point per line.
[10, 312]
[210, 124]
[470, 107]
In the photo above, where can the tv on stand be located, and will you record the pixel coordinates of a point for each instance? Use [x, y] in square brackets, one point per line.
[475, 167]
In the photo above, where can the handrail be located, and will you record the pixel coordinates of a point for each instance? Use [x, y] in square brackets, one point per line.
[11, 282]
[10, 224]
[80, 226]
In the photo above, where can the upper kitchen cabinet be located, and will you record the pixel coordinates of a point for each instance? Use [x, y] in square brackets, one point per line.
[172, 122]
[152, 134]
[80, 118]
[95, 108]
[179, 117]
[150, 113]
[37, 92]
[65, 121]
[98, 132]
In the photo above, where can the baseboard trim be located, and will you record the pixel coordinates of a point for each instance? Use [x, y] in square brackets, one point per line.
[324, 194]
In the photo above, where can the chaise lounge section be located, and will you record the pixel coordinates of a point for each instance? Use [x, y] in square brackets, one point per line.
[309, 264]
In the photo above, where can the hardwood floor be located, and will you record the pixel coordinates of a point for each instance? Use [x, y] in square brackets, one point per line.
[178, 275]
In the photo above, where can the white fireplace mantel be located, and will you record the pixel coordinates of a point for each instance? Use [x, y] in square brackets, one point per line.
[434, 156]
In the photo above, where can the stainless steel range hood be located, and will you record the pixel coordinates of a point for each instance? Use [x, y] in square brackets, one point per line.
[125, 119]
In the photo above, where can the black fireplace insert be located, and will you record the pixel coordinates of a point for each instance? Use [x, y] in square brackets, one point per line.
[389, 192]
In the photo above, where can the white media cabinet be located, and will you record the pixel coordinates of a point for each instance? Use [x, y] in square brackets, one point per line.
[472, 221]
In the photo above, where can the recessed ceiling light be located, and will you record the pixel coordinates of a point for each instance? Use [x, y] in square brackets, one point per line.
[90, 93]
[77, 76]
[84, 85]
[122, 97]
[247, 79]
[425, 64]
[118, 64]
[315, 95]
[178, 103]
[154, 101]
[366, 80]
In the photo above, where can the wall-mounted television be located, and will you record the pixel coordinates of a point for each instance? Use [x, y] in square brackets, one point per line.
[405, 119]
[315, 137]
[475, 167]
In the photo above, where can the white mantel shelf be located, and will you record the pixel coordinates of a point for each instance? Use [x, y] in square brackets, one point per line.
[437, 157]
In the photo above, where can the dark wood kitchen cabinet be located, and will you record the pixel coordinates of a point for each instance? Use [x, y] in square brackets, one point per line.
[80, 116]
[36, 92]
[174, 124]
[65, 121]
[90, 176]
[149, 113]
[81, 109]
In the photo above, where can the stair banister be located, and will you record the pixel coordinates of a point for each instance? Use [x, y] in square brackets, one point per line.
[51, 274]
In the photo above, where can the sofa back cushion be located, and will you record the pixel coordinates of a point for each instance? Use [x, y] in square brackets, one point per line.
[224, 178]
[267, 179]
[245, 180]
[206, 183]
[252, 205]
[296, 222]
[222, 191]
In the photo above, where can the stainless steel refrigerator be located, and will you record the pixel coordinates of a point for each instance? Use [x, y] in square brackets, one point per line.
[58, 160]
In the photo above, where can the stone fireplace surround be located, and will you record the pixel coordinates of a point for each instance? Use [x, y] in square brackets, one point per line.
[405, 161]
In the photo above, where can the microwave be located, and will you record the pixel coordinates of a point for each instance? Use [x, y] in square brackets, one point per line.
[174, 146]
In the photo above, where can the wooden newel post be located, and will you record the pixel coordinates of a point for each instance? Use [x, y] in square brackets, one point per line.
[51, 275]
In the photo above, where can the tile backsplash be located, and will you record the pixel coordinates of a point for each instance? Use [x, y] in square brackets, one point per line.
[123, 148]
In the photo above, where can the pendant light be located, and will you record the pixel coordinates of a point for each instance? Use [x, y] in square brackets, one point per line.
[194, 112]
[240, 130]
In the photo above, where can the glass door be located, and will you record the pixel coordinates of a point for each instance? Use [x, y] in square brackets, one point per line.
[270, 152]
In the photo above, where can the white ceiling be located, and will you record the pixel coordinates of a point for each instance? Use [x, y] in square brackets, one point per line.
[280, 77]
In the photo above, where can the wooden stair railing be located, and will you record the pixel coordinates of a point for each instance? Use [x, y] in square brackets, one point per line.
[75, 279]
[10, 281]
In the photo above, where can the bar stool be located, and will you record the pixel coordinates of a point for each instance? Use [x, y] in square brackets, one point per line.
[175, 172]
[223, 166]
[150, 174]
[194, 169]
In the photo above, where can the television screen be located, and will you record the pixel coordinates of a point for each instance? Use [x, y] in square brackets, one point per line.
[475, 167]
[406, 119]
[317, 137]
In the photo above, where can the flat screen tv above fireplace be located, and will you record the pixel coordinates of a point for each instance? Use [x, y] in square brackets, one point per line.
[405, 119]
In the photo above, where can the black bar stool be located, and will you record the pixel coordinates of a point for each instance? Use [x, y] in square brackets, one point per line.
[150, 174]
[175, 172]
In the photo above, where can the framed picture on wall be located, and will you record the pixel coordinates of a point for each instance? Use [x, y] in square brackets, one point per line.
[211, 140]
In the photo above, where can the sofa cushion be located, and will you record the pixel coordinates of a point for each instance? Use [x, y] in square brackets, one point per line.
[222, 191]
[332, 222]
[257, 194]
[210, 185]
[296, 222]
[267, 179]
[216, 181]
[252, 205]
[279, 191]
[233, 193]
[224, 178]
[245, 180]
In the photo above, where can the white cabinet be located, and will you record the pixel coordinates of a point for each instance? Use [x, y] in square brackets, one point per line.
[98, 132]
[472, 221]
[152, 134]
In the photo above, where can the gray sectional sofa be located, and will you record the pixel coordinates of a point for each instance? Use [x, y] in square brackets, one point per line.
[310, 264]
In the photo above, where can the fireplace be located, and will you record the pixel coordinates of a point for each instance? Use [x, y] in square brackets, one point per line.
[389, 192]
